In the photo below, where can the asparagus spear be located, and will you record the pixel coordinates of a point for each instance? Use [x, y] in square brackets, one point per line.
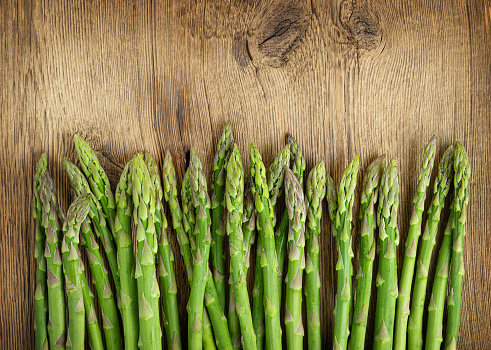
[234, 195]
[268, 259]
[298, 167]
[461, 200]
[126, 260]
[369, 197]
[40, 236]
[93, 330]
[170, 195]
[402, 307]
[345, 253]
[81, 186]
[295, 203]
[224, 150]
[144, 202]
[201, 202]
[77, 213]
[101, 282]
[434, 330]
[165, 259]
[52, 224]
[258, 297]
[248, 224]
[98, 180]
[215, 312]
[233, 318]
[440, 191]
[315, 192]
[387, 273]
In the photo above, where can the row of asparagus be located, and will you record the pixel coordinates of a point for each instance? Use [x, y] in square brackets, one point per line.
[138, 294]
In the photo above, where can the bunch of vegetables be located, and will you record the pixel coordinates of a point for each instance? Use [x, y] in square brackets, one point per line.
[131, 300]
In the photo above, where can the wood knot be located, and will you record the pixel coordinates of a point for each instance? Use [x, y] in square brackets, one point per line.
[277, 29]
[362, 25]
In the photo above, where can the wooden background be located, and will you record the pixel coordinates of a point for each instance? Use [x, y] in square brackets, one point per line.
[343, 77]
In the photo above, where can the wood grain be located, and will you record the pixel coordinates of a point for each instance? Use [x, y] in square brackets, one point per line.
[343, 77]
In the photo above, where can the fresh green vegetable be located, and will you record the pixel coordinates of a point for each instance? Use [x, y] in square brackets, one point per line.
[387, 251]
[126, 260]
[234, 198]
[165, 264]
[224, 150]
[461, 200]
[144, 202]
[268, 259]
[77, 213]
[314, 194]
[295, 203]
[369, 197]
[440, 191]
[406, 280]
[52, 224]
[40, 236]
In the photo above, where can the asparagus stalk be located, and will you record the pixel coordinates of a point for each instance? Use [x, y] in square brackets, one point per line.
[80, 186]
[434, 330]
[234, 195]
[215, 312]
[345, 253]
[165, 260]
[248, 224]
[40, 236]
[295, 203]
[402, 307]
[315, 192]
[233, 318]
[126, 260]
[224, 150]
[298, 167]
[201, 202]
[369, 197]
[258, 297]
[276, 175]
[92, 323]
[332, 202]
[98, 180]
[387, 273]
[52, 224]
[461, 200]
[440, 191]
[170, 195]
[102, 285]
[144, 203]
[268, 259]
[77, 213]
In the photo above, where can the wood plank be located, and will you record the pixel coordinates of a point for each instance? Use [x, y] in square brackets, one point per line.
[343, 77]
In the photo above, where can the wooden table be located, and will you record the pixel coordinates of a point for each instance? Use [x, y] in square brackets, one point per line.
[343, 77]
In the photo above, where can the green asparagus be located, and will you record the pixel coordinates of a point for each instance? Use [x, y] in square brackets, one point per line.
[77, 214]
[234, 196]
[268, 259]
[258, 297]
[461, 200]
[98, 180]
[224, 150]
[369, 197]
[40, 236]
[102, 285]
[52, 224]
[387, 267]
[126, 260]
[440, 191]
[81, 186]
[344, 269]
[144, 203]
[315, 192]
[165, 263]
[434, 329]
[406, 280]
[295, 203]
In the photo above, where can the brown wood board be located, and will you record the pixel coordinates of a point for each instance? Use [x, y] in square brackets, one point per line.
[343, 77]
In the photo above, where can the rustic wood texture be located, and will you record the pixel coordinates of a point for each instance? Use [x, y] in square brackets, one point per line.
[343, 77]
